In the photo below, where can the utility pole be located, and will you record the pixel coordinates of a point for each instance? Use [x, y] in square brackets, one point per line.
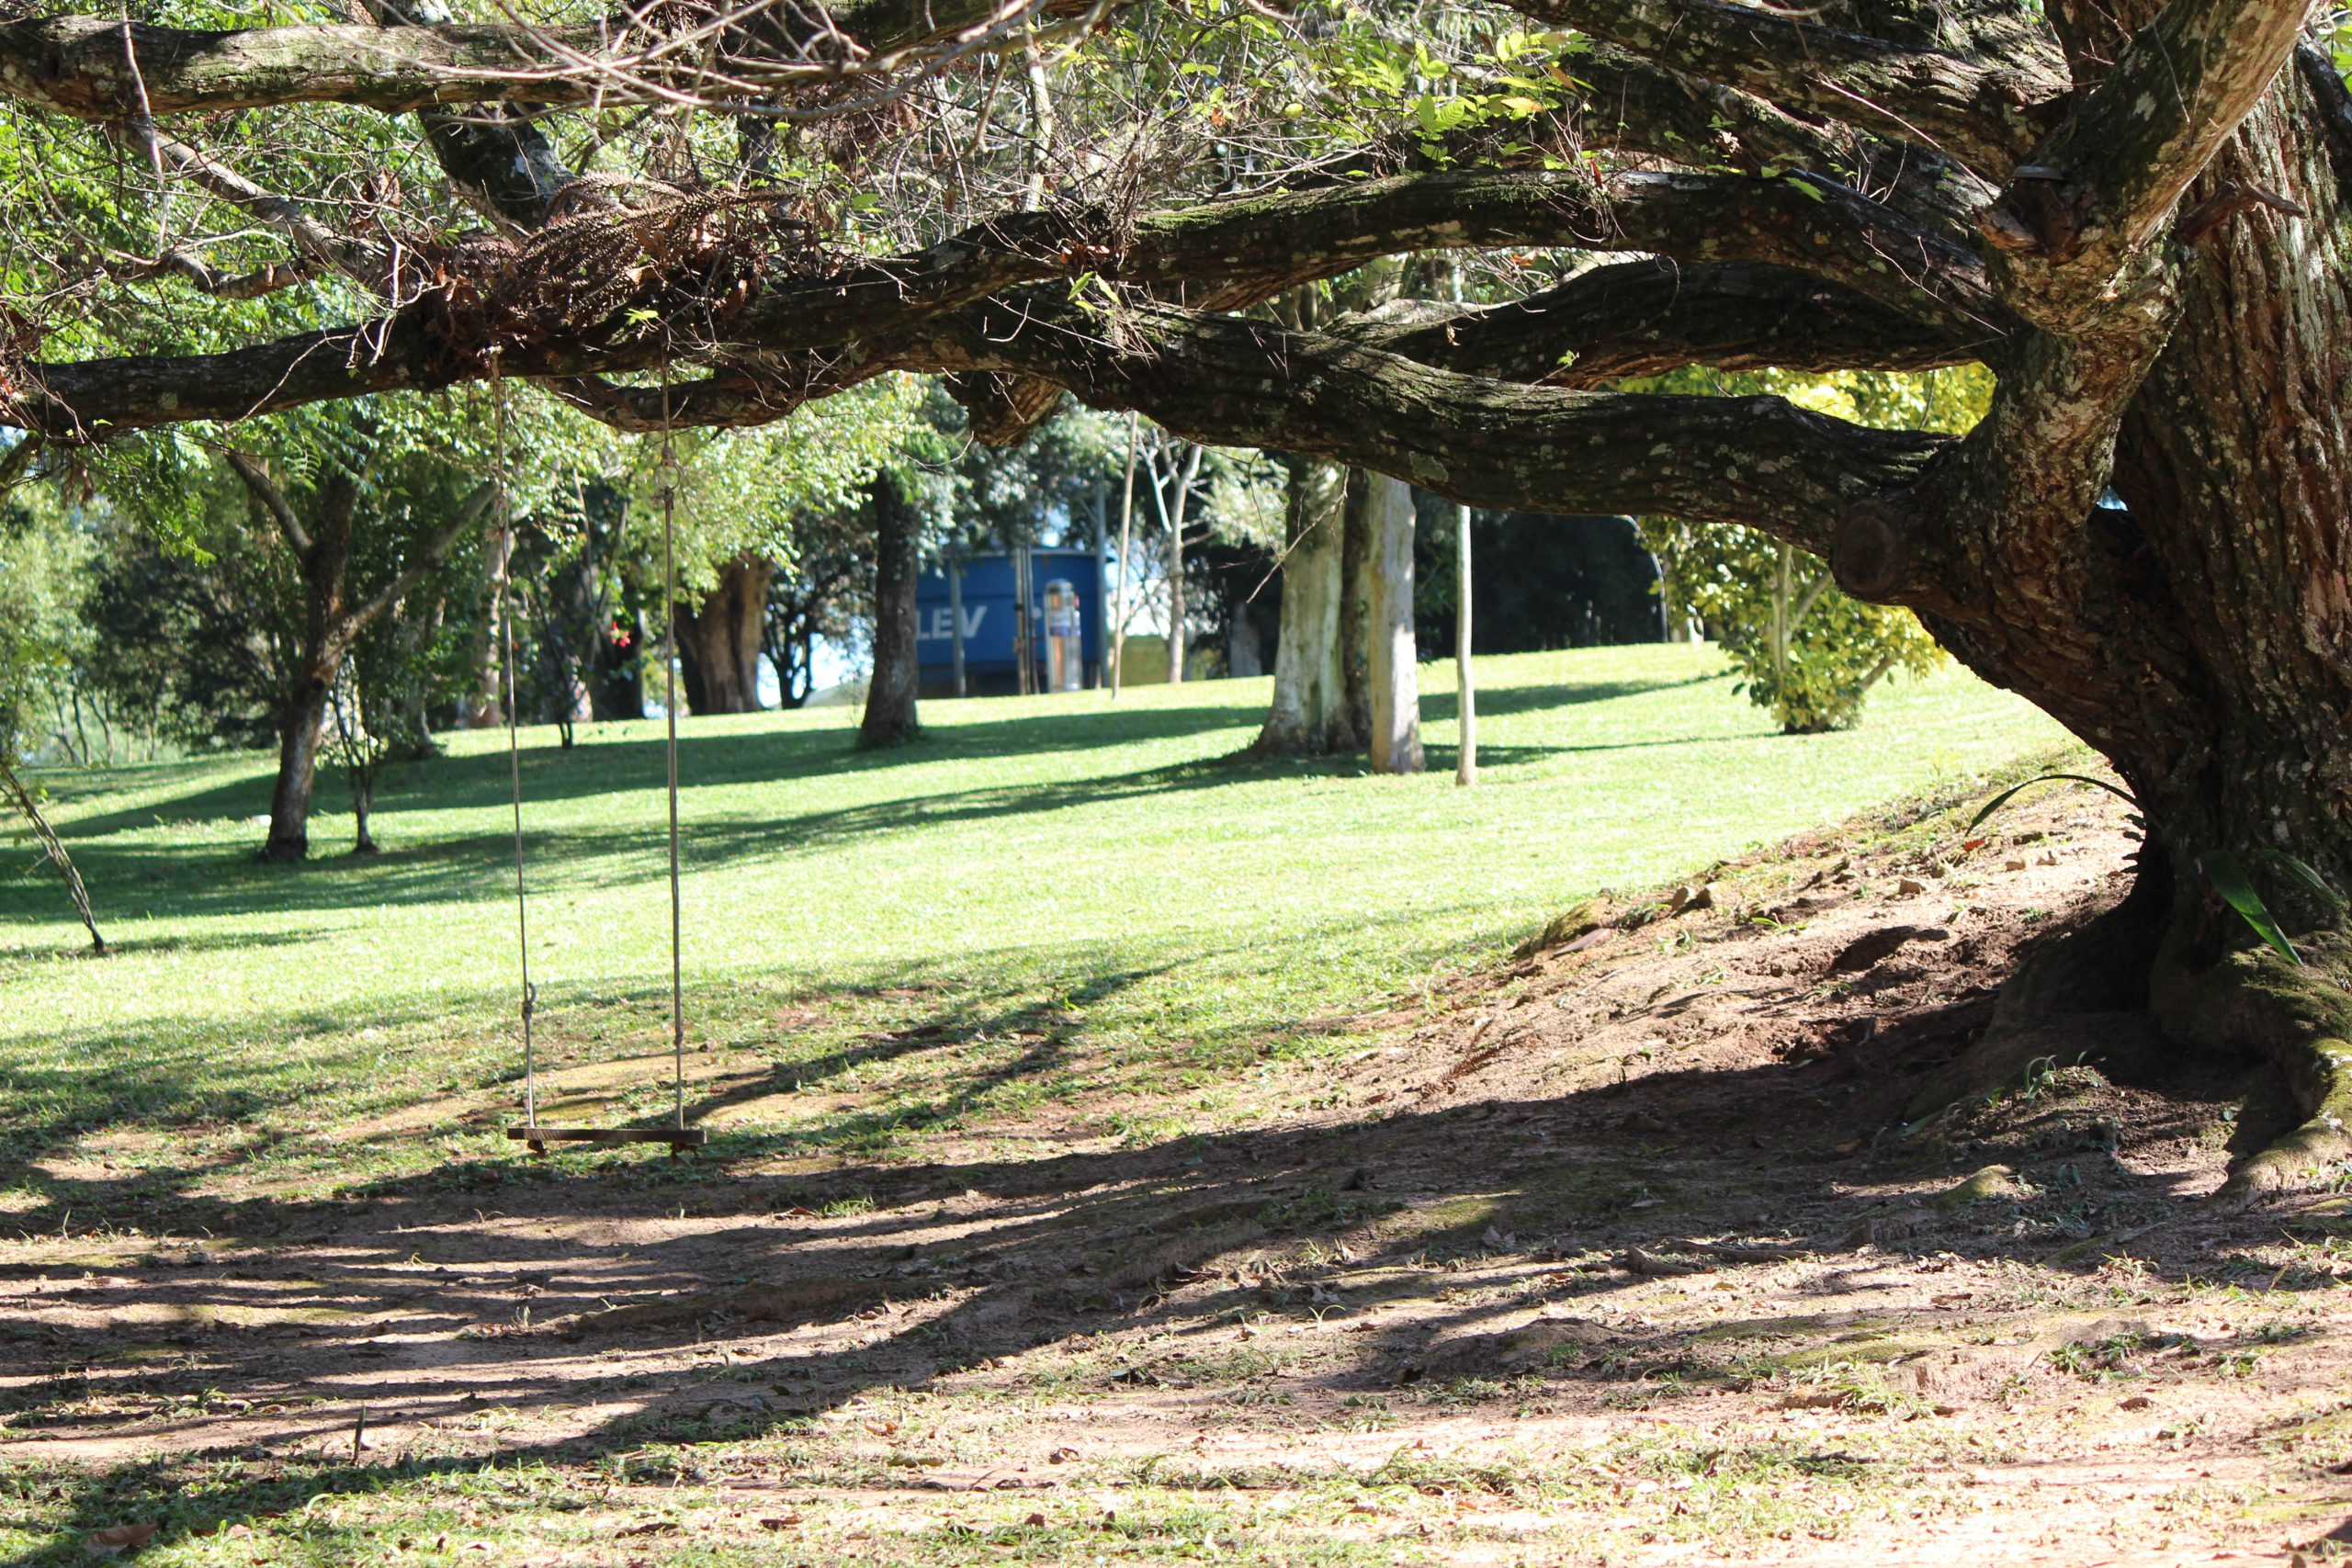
[1465, 685]
[1102, 527]
[1126, 528]
[1465, 688]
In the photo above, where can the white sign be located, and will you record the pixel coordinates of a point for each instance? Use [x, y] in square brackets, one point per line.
[939, 625]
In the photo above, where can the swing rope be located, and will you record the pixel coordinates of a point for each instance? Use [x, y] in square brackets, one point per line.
[669, 475]
[531, 1133]
[506, 514]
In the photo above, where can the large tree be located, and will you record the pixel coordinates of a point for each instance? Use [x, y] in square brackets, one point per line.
[2135, 215]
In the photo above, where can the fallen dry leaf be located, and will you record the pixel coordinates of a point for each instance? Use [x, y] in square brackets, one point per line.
[117, 1538]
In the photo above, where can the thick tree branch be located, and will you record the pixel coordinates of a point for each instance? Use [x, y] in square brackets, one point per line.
[1645, 318]
[1251, 248]
[1223, 380]
[79, 66]
[1983, 113]
[2095, 193]
[1238, 250]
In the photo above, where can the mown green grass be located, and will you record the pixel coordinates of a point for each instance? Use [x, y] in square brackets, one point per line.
[1063, 895]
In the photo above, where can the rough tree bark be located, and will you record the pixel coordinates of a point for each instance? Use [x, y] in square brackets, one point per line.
[1310, 715]
[891, 693]
[720, 640]
[1394, 674]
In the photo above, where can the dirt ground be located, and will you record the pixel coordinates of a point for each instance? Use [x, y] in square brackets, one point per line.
[1623, 1253]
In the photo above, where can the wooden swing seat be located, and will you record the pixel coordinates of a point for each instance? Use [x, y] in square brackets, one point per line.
[537, 1138]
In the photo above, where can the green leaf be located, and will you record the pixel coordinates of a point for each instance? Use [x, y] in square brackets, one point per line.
[2011, 793]
[2302, 872]
[2228, 877]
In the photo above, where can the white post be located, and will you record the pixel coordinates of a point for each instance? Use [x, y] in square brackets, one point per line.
[1466, 765]
[1126, 528]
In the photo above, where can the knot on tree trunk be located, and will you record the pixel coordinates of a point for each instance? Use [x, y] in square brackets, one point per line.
[1871, 549]
[2041, 215]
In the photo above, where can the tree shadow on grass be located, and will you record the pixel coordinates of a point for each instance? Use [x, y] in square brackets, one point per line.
[187, 883]
[709, 760]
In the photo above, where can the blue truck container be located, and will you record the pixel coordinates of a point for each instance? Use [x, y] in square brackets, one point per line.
[991, 606]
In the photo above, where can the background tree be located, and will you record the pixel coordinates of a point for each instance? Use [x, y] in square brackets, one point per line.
[330, 525]
[898, 522]
[743, 499]
[1805, 650]
[41, 562]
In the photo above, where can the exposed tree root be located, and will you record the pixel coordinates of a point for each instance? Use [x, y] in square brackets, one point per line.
[2302, 1019]
[2173, 957]
[2102, 967]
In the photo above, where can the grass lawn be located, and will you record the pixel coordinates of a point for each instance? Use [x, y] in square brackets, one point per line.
[1044, 903]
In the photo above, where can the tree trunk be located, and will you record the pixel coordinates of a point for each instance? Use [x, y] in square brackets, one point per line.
[1394, 671]
[327, 631]
[1310, 716]
[1176, 595]
[891, 693]
[1466, 682]
[1355, 604]
[616, 679]
[301, 725]
[2202, 641]
[484, 707]
[363, 806]
[720, 640]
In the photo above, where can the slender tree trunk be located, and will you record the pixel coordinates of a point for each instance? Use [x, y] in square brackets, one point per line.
[891, 693]
[302, 726]
[363, 806]
[955, 618]
[1310, 716]
[1126, 534]
[1172, 516]
[1356, 566]
[485, 705]
[1394, 685]
[721, 638]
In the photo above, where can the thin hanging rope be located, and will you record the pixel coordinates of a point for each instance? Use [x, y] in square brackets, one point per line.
[505, 637]
[670, 717]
